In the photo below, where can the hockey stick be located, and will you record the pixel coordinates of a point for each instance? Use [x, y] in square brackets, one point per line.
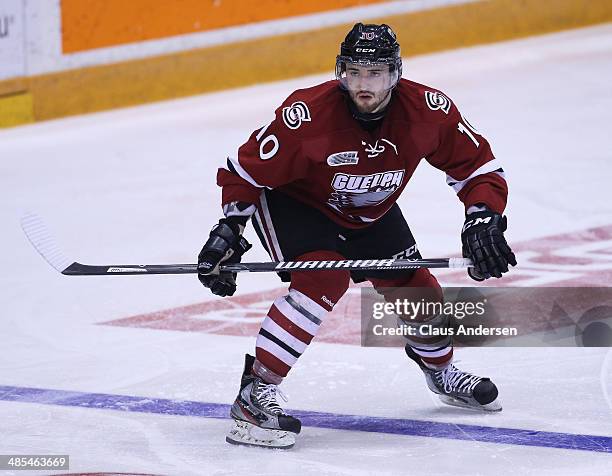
[38, 234]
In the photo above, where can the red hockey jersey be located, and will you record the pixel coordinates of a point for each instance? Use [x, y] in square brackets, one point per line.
[315, 151]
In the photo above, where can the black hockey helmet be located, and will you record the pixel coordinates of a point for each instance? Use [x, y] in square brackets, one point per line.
[370, 45]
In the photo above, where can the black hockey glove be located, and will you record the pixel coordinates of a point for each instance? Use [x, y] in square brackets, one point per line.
[483, 242]
[225, 245]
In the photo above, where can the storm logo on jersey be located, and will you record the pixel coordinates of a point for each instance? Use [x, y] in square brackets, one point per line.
[294, 115]
[364, 190]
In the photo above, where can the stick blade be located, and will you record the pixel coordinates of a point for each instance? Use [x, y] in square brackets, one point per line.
[43, 242]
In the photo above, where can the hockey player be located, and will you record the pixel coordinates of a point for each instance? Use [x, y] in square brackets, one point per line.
[320, 182]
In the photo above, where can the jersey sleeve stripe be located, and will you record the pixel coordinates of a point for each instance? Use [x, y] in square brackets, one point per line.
[491, 166]
[234, 165]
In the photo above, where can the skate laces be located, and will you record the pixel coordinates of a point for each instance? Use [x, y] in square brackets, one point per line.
[456, 380]
[266, 393]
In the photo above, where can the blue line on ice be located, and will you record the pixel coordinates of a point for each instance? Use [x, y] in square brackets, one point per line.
[431, 429]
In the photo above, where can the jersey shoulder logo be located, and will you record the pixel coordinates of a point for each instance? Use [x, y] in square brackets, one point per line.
[294, 115]
[350, 157]
[436, 100]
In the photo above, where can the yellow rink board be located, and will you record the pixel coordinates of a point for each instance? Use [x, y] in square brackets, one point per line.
[16, 109]
[294, 55]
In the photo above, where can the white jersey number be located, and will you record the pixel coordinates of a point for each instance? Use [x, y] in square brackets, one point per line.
[469, 130]
[268, 147]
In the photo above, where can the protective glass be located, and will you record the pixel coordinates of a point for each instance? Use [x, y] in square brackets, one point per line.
[374, 77]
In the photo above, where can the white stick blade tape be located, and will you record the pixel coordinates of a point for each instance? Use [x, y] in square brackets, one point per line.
[38, 234]
[459, 263]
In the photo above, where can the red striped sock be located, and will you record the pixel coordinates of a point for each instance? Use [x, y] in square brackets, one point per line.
[291, 323]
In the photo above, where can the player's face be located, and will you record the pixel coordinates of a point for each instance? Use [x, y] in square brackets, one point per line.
[368, 86]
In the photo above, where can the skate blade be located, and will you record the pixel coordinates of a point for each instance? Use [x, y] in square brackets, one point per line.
[494, 406]
[247, 434]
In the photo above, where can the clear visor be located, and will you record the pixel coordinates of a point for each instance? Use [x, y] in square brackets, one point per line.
[373, 77]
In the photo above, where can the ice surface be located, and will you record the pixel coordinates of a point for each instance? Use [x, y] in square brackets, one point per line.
[138, 185]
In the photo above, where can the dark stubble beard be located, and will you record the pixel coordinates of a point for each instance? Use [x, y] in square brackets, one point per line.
[376, 107]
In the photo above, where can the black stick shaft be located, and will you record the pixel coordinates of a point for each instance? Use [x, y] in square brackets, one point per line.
[78, 269]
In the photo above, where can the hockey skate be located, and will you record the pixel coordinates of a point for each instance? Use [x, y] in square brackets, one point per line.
[258, 418]
[458, 388]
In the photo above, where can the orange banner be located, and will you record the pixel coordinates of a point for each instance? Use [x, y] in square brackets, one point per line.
[89, 24]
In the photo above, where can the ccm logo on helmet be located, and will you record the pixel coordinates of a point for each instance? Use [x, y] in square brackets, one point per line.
[294, 115]
[365, 50]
